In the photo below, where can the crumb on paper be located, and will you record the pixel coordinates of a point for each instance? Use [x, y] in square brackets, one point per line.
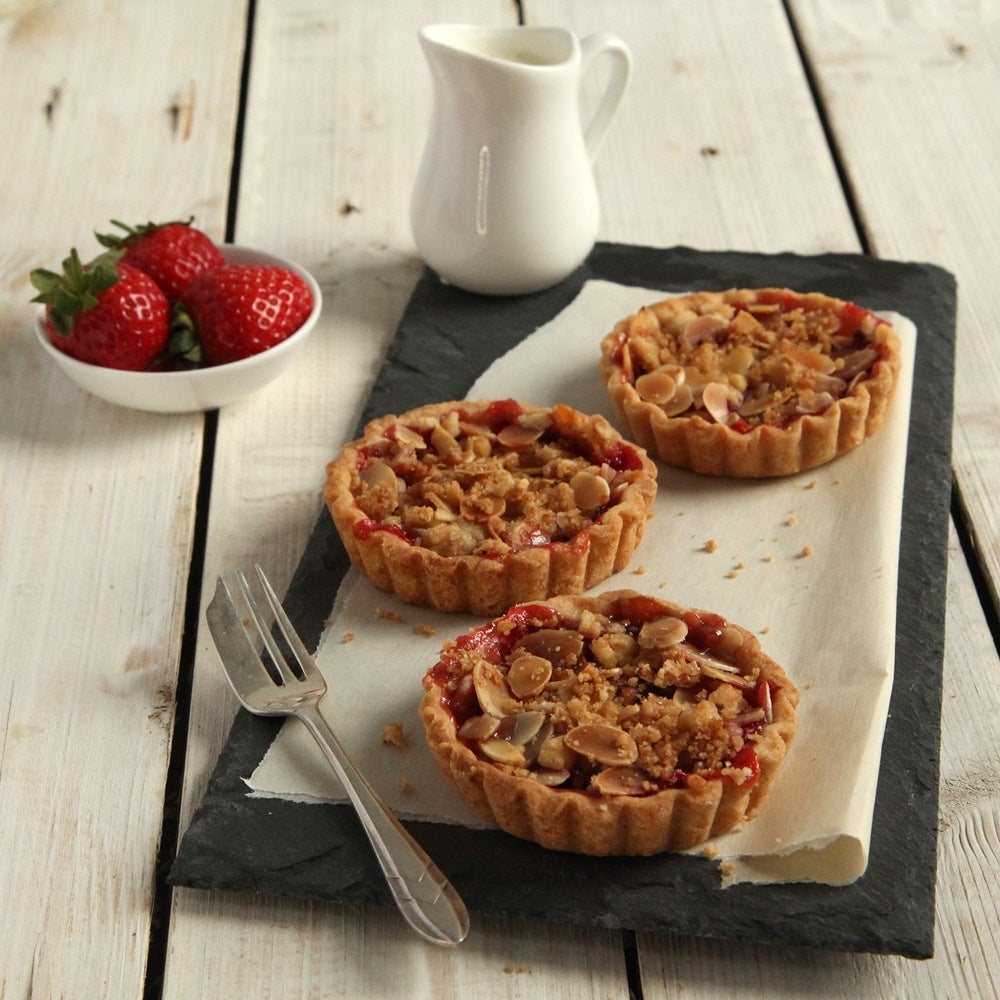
[423, 628]
[766, 630]
[404, 786]
[727, 868]
[347, 207]
[837, 481]
[806, 552]
[393, 735]
[348, 637]
[516, 970]
[710, 851]
[389, 616]
[792, 519]
[710, 546]
[639, 570]
[768, 558]
[811, 485]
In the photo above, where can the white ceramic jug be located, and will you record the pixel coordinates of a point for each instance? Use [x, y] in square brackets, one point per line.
[505, 201]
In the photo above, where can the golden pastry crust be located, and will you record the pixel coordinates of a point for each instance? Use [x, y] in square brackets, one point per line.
[617, 724]
[751, 382]
[475, 506]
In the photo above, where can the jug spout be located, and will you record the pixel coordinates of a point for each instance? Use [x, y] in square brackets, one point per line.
[504, 201]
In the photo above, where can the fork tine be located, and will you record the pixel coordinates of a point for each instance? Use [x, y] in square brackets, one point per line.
[277, 657]
[306, 663]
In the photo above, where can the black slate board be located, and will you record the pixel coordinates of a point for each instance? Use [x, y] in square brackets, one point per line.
[446, 339]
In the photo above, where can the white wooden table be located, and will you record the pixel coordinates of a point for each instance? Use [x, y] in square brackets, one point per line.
[295, 125]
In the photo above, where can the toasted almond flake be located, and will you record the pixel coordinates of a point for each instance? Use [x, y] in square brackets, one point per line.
[702, 328]
[517, 436]
[590, 491]
[656, 386]
[715, 399]
[503, 752]
[662, 633]
[682, 399]
[528, 675]
[620, 781]
[491, 688]
[604, 744]
[407, 435]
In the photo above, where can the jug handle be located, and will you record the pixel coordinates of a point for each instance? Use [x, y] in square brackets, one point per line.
[591, 47]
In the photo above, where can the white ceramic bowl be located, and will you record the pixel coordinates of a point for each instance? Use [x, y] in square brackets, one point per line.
[200, 388]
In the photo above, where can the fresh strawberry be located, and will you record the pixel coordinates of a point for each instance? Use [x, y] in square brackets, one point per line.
[243, 309]
[171, 253]
[105, 313]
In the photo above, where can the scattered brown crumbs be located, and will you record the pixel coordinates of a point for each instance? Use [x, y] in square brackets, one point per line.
[767, 558]
[807, 551]
[389, 616]
[424, 629]
[811, 485]
[727, 868]
[404, 786]
[732, 574]
[710, 851]
[766, 630]
[792, 519]
[710, 546]
[837, 481]
[349, 637]
[393, 735]
[516, 970]
[639, 570]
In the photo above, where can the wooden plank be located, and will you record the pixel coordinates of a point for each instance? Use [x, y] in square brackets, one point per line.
[96, 502]
[339, 104]
[717, 144]
[910, 92]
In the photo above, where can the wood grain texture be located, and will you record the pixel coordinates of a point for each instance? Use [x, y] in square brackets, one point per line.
[96, 502]
[910, 90]
[717, 144]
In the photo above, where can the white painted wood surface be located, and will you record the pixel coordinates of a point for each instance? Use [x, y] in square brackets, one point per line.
[96, 503]
[719, 144]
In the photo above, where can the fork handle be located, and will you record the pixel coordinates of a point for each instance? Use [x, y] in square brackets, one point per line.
[425, 897]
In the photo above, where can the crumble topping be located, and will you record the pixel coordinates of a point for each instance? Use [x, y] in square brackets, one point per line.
[493, 480]
[628, 702]
[745, 358]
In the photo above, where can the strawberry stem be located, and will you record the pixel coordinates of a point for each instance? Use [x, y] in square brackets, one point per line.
[113, 241]
[76, 289]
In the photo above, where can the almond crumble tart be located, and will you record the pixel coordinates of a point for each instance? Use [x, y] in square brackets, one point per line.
[475, 506]
[616, 724]
[751, 382]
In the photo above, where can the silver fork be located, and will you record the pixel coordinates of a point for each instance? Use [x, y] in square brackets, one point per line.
[427, 900]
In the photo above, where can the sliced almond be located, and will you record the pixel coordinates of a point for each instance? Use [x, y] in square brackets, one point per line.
[656, 387]
[478, 728]
[662, 633]
[560, 646]
[620, 781]
[683, 399]
[445, 443]
[518, 436]
[520, 729]
[555, 755]
[550, 778]
[853, 364]
[491, 689]
[590, 491]
[702, 328]
[503, 752]
[528, 674]
[715, 399]
[603, 744]
[407, 435]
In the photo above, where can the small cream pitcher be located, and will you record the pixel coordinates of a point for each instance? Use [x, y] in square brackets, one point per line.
[504, 201]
